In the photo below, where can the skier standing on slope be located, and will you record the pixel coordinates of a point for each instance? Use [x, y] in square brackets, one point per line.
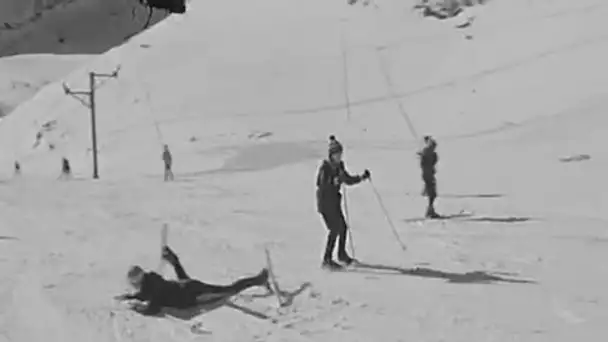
[168, 160]
[428, 162]
[330, 177]
[66, 169]
[155, 293]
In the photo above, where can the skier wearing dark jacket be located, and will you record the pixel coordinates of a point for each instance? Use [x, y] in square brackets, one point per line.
[155, 293]
[330, 177]
[168, 160]
[428, 162]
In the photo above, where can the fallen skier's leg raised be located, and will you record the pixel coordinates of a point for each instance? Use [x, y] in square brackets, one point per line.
[206, 293]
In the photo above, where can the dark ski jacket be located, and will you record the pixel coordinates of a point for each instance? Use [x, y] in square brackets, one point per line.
[329, 181]
[428, 162]
[167, 158]
[159, 293]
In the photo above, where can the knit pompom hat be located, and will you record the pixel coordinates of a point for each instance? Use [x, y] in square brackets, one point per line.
[429, 140]
[334, 146]
[135, 272]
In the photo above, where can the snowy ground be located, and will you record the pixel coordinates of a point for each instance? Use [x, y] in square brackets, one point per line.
[246, 99]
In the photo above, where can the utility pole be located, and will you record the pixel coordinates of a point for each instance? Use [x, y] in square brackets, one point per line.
[91, 105]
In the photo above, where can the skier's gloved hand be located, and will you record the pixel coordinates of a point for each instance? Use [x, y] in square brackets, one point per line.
[122, 297]
[139, 306]
[366, 175]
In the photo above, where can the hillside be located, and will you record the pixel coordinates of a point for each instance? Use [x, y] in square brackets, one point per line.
[246, 94]
[42, 41]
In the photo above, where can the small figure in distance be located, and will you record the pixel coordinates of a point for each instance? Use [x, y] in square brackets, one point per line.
[66, 169]
[428, 161]
[168, 160]
[17, 168]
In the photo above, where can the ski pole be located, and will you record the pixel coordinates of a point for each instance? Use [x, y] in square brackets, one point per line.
[164, 235]
[351, 241]
[387, 216]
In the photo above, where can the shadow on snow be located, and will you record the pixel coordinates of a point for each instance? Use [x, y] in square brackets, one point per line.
[442, 217]
[472, 218]
[474, 277]
[510, 219]
[472, 196]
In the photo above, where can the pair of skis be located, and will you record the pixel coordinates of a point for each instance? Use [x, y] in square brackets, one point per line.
[460, 215]
[273, 285]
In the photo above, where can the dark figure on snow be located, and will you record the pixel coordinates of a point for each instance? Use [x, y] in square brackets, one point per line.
[332, 174]
[168, 160]
[66, 169]
[155, 293]
[17, 168]
[428, 162]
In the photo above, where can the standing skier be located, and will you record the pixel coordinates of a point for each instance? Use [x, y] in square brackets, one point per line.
[428, 161]
[168, 160]
[17, 168]
[66, 169]
[330, 177]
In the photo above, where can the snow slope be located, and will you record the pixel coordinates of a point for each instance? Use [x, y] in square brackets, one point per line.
[42, 41]
[246, 100]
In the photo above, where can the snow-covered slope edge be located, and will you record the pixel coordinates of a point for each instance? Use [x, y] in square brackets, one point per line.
[54, 38]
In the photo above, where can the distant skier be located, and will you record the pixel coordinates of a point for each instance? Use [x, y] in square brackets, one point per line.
[428, 162]
[330, 177]
[38, 140]
[155, 293]
[17, 168]
[168, 160]
[66, 169]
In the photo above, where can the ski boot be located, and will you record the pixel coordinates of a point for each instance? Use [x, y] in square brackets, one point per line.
[263, 278]
[431, 214]
[331, 265]
[348, 261]
[169, 256]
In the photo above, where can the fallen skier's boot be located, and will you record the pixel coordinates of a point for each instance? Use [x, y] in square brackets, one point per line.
[263, 278]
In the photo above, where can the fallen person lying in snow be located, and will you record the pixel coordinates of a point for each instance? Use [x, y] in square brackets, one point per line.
[155, 293]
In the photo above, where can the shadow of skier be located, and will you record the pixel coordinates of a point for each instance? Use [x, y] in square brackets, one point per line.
[484, 195]
[189, 314]
[510, 219]
[474, 277]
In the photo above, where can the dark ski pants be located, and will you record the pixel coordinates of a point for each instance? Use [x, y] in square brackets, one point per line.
[336, 225]
[430, 190]
[430, 186]
[168, 172]
[209, 293]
